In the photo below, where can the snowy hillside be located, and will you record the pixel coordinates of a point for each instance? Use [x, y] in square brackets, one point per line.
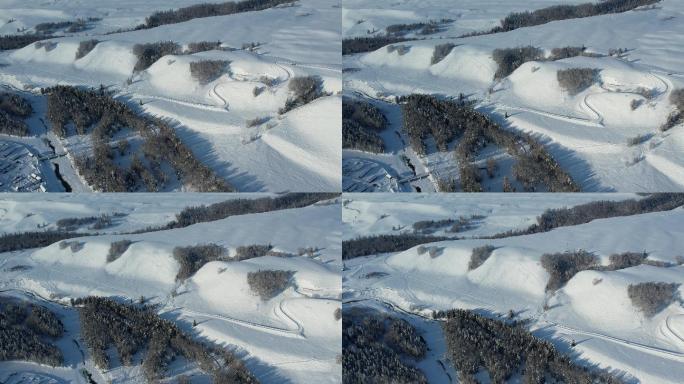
[611, 135]
[232, 116]
[292, 334]
[590, 315]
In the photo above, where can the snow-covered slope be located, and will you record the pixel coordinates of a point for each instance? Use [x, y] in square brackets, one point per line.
[293, 337]
[296, 151]
[593, 308]
[587, 133]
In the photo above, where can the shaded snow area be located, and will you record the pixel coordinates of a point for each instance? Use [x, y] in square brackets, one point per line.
[607, 137]
[294, 336]
[231, 122]
[591, 315]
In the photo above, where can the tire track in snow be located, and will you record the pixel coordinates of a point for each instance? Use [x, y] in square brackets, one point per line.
[213, 93]
[671, 330]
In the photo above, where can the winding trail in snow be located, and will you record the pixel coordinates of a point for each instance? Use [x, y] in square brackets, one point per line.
[214, 93]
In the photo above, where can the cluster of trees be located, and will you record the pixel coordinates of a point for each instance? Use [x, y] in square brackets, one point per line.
[78, 25]
[430, 226]
[441, 51]
[117, 248]
[361, 122]
[626, 260]
[372, 245]
[73, 223]
[13, 109]
[236, 207]
[206, 71]
[563, 12]
[475, 342]
[510, 59]
[8, 42]
[368, 44]
[25, 330]
[192, 258]
[479, 255]
[566, 52]
[563, 266]
[576, 80]
[584, 213]
[445, 120]
[84, 47]
[106, 116]
[202, 46]
[676, 117]
[401, 49]
[129, 330]
[377, 349]
[652, 297]
[428, 28]
[465, 223]
[25, 240]
[149, 53]
[305, 89]
[245, 252]
[74, 246]
[180, 15]
[269, 283]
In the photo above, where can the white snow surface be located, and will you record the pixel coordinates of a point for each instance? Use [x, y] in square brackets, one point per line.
[297, 151]
[593, 308]
[586, 133]
[293, 337]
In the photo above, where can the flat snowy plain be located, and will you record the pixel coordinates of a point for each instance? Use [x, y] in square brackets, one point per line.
[293, 337]
[593, 308]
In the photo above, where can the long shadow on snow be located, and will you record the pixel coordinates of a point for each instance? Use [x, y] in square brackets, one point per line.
[202, 149]
[579, 169]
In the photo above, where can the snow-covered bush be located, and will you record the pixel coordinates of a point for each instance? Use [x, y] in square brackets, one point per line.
[206, 71]
[269, 283]
[149, 53]
[479, 255]
[84, 47]
[638, 139]
[305, 89]
[246, 252]
[441, 51]
[429, 226]
[192, 258]
[117, 248]
[202, 46]
[576, 80]
[563, 266]
[566, 52]
[626, 260]
[652, 297]
[400, 49]
[510, 59]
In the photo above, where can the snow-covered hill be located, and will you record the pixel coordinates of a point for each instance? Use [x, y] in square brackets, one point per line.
[606, 137]
[295, 151]
[593, 309]
[292, 337]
